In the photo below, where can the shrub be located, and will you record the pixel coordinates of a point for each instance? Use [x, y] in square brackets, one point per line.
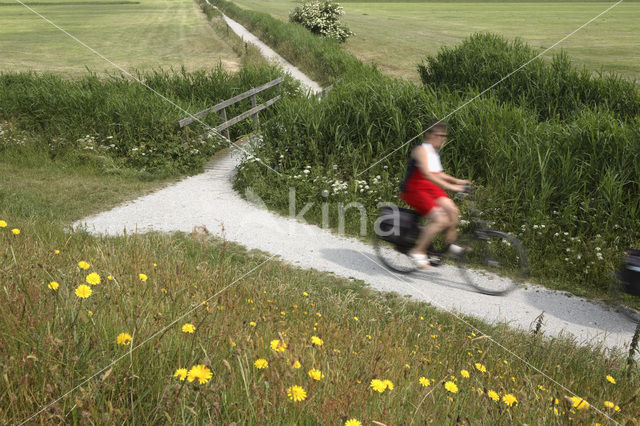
[322, 18]
[555, 89]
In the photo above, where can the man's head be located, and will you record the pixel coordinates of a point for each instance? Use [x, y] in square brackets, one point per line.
[437, 133]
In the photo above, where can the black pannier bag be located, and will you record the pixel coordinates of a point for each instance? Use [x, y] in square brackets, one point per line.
[630, 273]
[399, 226]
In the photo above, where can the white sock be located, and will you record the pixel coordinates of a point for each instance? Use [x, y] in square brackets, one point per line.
[454, 249]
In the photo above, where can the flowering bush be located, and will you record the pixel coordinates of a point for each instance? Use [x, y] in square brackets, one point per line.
[321, 18]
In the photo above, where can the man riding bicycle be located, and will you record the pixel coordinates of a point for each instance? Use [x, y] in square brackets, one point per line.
[423, 189]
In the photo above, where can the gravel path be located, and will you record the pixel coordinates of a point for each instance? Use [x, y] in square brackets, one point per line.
[209, 200]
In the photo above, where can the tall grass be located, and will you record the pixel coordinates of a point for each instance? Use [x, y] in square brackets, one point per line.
[320, 58]
[554, 90]
[118, 118]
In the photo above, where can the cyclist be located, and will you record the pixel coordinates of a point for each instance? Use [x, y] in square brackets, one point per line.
[423, 189]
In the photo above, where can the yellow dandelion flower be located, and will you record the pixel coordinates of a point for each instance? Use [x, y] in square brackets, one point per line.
[481, 367]
[424, 381]
[83, 265]
[421, 318]
[200, 372]
[464, 373]
[143, 277]
[316, 341]
[506, 362]
[451, 387]
[93, 278]
[15, 231]
[155, 264]
[389, 384]
[493, 395]
[3, 224]
[611, 380]
[609, 404]
[542, 388]
[252, 324]
[369, 336]
[181, 373]
[278, 345]
[378, 385]
[83, 291]
[509, 400]
[315, 374]
[56, 251]
[305, 294]
[579, 403]
[53, 285]
[123, 339]
[90, 313]
[261, 363]
[189, 328]
[296, 393]
[353, 422]
[297, 365]
[110, 277]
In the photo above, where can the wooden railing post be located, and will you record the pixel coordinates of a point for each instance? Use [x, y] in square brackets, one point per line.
[223, 113]
[256, 119]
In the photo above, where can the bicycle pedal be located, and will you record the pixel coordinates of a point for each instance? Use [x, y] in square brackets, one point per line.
[435, 261]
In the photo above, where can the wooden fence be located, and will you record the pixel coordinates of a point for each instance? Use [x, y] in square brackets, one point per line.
[253, 112]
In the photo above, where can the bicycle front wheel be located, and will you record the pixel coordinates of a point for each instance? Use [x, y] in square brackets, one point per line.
[494, 263]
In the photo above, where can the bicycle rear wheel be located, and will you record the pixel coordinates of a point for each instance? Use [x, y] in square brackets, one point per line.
[495, 263]
[392, 258]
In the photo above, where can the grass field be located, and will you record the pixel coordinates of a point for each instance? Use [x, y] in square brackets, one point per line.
[397, 35]
[141, 35]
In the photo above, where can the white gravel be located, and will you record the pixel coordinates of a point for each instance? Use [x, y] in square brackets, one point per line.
[209, 200]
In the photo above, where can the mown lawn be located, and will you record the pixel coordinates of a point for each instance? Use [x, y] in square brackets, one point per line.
[397, 35]
[133, 34]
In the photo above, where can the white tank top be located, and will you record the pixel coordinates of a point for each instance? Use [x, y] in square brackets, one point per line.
[433, 159]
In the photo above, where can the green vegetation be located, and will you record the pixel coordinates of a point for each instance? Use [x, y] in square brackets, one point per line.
[153, 285]
[567, 188]
[322, 19]
[555, 90]
[116, 355]
[134, 35]
[321, 59]
[118, 122]
[397, 35]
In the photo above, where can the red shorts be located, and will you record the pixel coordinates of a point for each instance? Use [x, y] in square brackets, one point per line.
[421, 194]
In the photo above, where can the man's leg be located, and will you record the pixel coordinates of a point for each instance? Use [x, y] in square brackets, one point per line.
[453, 215]
[438, 221]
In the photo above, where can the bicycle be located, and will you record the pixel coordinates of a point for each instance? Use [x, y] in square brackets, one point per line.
[496, 253]
[624, 289]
